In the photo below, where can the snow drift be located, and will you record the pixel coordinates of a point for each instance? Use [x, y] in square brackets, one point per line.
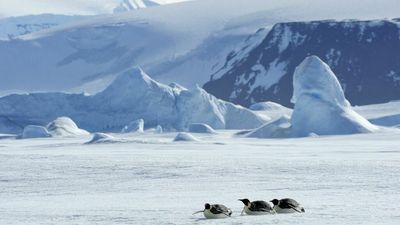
[201, 128]
[64, 126]
[131, 96]
[275, 129]
[101, 138]
[33, 131]
[185, 137]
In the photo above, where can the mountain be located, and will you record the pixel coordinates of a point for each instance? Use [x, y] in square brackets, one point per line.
[182, 43]
[12, 27]
[131, 96]
[363, 54]
[129, 5]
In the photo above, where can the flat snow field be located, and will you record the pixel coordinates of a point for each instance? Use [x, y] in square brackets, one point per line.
[148, 179]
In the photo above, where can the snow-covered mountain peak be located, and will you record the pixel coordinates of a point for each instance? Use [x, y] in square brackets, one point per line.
[129, 5]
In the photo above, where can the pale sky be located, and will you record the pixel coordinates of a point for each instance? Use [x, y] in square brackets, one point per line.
[90, 7]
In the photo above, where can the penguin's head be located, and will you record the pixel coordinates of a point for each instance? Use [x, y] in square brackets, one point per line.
[275, 201]
[207, 206]
[245, 201]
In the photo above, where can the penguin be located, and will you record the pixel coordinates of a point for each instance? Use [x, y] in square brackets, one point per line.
[287, 205]
[256, 207]
[215, 211]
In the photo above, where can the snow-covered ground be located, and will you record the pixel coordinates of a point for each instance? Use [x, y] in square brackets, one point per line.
[148, 179]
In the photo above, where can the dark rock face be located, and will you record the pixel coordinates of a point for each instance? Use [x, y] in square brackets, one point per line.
[365, 56]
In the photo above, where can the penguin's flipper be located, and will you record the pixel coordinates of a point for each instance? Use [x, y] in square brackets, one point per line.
[198, 212]
[242, 212]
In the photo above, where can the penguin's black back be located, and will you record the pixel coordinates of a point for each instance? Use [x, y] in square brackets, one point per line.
[218, 209]
[260, 206]
[288, 203]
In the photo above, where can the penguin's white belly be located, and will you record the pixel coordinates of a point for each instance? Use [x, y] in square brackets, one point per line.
[255, 213]
[210, 215]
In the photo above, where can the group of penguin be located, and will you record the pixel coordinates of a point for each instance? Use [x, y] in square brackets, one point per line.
[286, 205]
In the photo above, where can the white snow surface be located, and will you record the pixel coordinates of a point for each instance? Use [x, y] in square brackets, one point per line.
[387, 114]
[65, 126]
[63, 181]
[34, 131]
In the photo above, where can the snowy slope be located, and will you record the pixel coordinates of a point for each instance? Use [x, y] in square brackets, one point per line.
[174, 42]
[387, 114]
[13, 27]
[129, 5]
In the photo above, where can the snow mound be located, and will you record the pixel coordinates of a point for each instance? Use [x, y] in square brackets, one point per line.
[267, 106]
[198, 106]
[201, 128]
[33, 131]
[320, 104]
[279, 128]
[100, 138]
[65, 126]
[185, 137]
[135, 126]
[271, 110]
[159, 129]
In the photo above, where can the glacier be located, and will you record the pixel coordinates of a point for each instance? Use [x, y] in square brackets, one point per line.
[320, 106]
[131, 96]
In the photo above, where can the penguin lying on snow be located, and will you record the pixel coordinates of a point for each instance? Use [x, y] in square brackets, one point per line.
[256, 207]
[215, 211]
[287, 205]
